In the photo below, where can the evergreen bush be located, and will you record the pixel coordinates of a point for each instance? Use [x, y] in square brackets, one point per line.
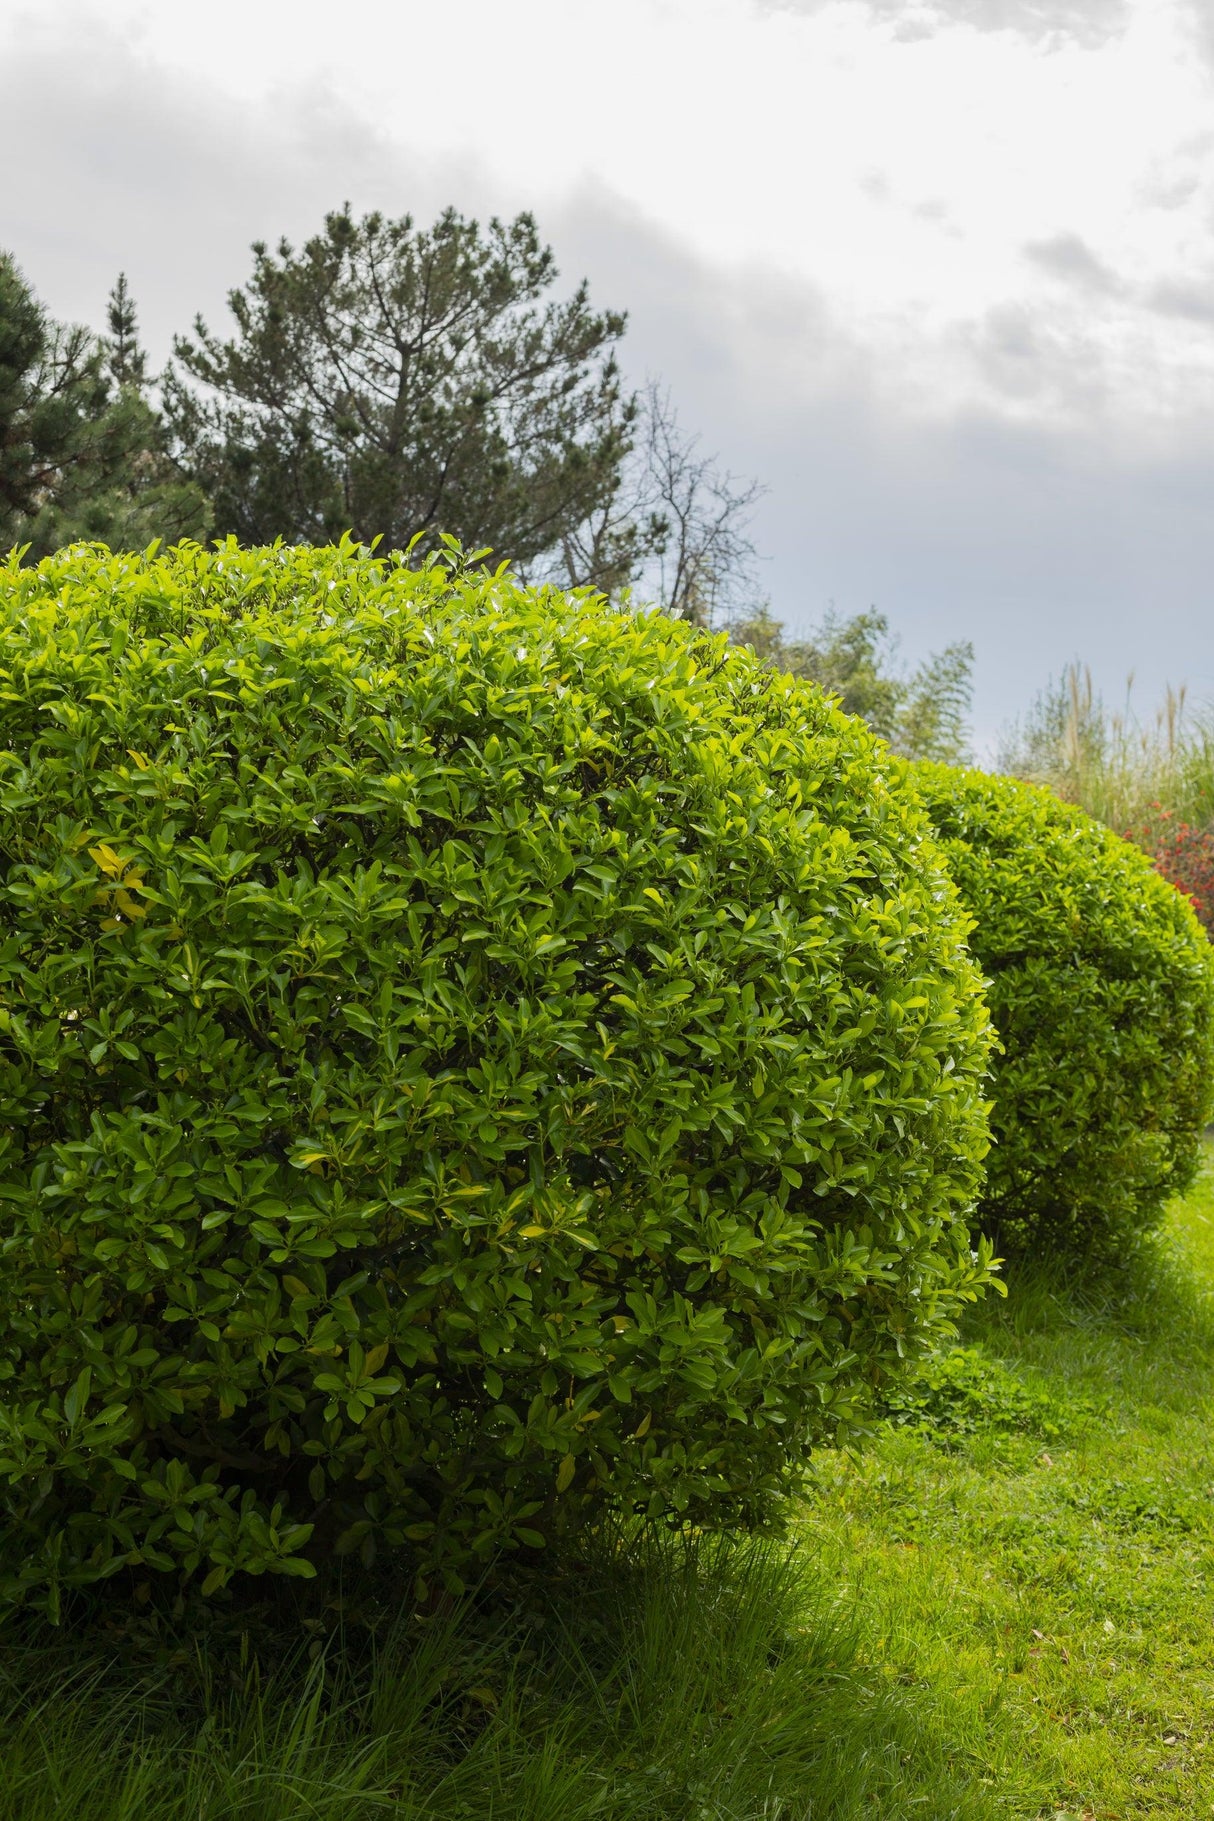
[469, 1057]
[1101, 988]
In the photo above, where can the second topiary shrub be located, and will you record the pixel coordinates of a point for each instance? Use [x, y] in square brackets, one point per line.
[1101, 987]
[468, 1057]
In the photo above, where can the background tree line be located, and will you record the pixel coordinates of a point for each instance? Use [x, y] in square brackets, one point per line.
[398, 383]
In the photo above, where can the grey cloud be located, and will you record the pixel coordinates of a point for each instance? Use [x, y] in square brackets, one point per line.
[146, 171]
[1185, 297]
[877, 186]
[1199, 21]
[1170, 189]
[1088, 23]
[1023, 353]
[1008, 344]
[1068, 256]
[1038, 543]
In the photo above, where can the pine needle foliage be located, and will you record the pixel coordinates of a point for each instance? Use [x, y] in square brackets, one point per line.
[81, 450]
[395, 381]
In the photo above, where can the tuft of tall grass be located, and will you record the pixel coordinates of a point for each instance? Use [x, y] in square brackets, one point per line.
[1130, 772]
[681, 1681]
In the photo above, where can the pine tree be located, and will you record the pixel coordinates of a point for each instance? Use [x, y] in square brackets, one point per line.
[82, 454]
[399, 383]
[126, 360]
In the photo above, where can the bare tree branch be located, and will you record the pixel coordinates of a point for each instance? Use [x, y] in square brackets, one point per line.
[676, 528]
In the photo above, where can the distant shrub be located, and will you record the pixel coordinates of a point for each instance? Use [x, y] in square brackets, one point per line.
[467, 1056]
[1183, 855]
[1101, 987]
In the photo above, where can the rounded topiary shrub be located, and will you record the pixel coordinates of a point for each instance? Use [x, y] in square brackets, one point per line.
[468, 1056]
[1101, 988]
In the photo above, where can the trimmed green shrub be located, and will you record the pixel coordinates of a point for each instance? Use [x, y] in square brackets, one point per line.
[469, 1056]
[1101, 987]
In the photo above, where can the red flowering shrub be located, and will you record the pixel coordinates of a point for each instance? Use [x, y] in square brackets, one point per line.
[1184, 855]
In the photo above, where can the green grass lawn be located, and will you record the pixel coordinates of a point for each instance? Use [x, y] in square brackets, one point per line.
[1005, 1609]
[1033, 1549]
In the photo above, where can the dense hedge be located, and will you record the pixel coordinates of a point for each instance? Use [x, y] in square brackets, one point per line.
[465, 1054]
[1101, 987]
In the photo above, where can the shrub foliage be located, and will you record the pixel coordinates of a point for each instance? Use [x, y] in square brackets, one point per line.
[1101, 987]
[1184, 855]
[467, 1054]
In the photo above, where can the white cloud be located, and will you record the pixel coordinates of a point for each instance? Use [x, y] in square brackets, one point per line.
[1050, 23]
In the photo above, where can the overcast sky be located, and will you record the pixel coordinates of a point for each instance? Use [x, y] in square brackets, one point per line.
[939, 272]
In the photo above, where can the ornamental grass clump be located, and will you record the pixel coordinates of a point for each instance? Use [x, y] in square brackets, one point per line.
[471, 1059]
[1101, 988]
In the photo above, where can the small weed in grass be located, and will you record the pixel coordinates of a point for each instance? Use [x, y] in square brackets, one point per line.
[968, 1392]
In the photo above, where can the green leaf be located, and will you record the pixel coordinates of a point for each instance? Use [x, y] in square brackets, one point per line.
[78, 1396]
